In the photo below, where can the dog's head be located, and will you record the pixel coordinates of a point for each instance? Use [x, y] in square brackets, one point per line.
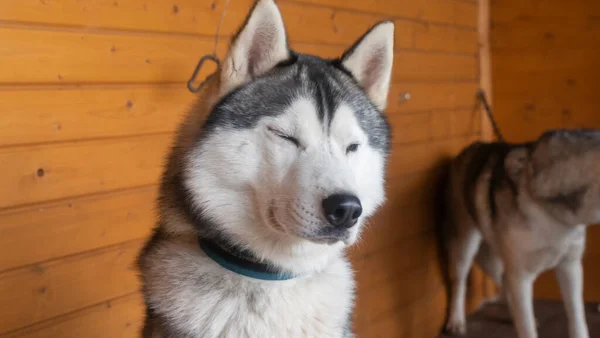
[294, 149]
[562, 170]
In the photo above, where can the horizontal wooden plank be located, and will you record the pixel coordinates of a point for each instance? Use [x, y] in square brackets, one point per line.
[406, 289]
[40, 173]
[394, 261]
[112, 218]
[447, 11]
[56, 288]
[303, 23]
[49, 115]
[509, 62]
[48, 172]
[413, 158]
[201, 17]
[543, 34]
[122, 317]
[195, 17]
[36, 116]
[576, 10]
[430, 96]
[375, 304]
[418, 66]
[419, 127]
[525, 119]
[69, 57]
[423, 317]
[322, 24]
[406, 213]
[74, 225]
[577, 85]
[445, 38]
[38, 56]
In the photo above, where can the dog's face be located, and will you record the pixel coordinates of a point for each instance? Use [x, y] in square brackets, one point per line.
[563, 174]
[296, 145]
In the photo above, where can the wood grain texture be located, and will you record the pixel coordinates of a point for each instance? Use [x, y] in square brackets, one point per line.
[121, 317]
[39, 56]
[91, 92]
[445, 11]
[199, 17]
[558, 10]
[318, 22]
[40, 116]
[74, 225]
[426, 96]
[49, 172]
[427, 155]
[47, 290]
[540, 34]
[545, 77]
[49, 56]
[420, 127]
[72, 113]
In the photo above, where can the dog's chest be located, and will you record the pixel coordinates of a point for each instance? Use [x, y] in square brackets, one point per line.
[311, 308]
[543, 250]
[212, 302]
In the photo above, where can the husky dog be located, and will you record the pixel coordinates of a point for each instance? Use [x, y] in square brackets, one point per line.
[271, 176]
[518, 210]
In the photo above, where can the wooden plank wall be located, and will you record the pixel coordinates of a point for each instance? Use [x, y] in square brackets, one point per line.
[90, 93]
[546, 75]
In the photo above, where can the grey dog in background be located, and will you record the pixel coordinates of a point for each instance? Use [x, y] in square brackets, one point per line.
[518, 210]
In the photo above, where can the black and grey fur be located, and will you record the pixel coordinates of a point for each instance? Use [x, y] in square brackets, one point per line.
[274, 135]
[521, 209]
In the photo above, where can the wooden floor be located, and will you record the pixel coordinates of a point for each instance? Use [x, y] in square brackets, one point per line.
[493, 321]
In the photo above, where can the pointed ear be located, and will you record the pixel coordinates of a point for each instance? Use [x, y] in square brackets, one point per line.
[515, 162]
[370, 61]
[259, 46]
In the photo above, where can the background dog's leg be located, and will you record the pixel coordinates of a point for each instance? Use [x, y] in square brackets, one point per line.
[520, 295]
[570, 279]
[462, 253]
[490, 263]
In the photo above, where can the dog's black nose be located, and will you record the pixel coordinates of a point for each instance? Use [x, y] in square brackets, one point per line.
[342, 210]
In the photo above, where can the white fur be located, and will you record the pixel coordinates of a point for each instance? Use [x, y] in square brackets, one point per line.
[371, 62]
[316, 305]
[259, 46]
[275, 171]
[235, 176]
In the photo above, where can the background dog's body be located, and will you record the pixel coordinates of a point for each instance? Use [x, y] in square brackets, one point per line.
[518, 210]
[276, 139]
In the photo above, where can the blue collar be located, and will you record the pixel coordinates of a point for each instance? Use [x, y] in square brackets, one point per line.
[235, 262]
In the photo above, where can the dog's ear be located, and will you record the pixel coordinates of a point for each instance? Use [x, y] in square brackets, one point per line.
[515, 162]
[259, 46]
[370, 61]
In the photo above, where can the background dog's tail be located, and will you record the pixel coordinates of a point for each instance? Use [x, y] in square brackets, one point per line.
[442, 218]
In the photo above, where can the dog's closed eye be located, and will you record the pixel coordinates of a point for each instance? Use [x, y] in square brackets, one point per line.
[352, 148]
[285, 136]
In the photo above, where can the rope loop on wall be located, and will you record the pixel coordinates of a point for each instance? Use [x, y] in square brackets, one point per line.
[481, 96]
[208, 57]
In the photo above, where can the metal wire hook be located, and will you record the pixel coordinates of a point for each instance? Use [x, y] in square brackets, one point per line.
[481, 96]
[190, 84]
[212, 57]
